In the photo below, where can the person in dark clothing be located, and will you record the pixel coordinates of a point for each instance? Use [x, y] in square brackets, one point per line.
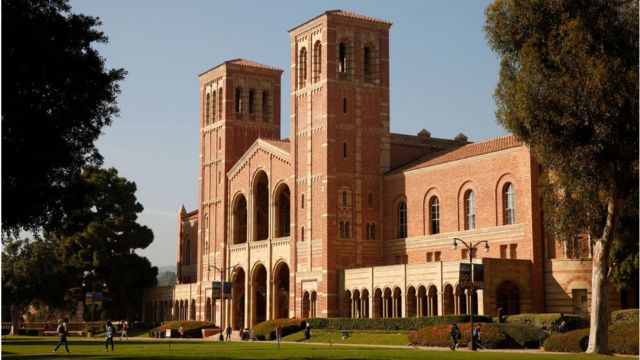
[307, 332]
[455, 336]
[228, 330]
[475, 337]
[111, 331]
[62, 334]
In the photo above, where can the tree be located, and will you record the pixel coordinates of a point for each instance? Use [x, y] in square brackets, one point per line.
[99, 238]
[31, 271]
[569, 89]
[56, 98]
[167, 278]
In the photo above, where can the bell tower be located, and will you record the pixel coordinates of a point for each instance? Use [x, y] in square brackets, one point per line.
[340, 146]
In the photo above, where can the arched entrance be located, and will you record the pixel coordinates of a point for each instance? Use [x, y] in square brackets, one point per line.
[387, 310]
[259, 295]
[240, 220]
[508, 298]
[377, 303]
[306, 305]
[238, 298]
[357, 310]
[447, 300]
[364, 298]
[461, 301]
[314, 303]
[261, 206]
[423, 302]
[433, 300]
[283, 213]
[397, 303]
[280, 291]
[411, 302]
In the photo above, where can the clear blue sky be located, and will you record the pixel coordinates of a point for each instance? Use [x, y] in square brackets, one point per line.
[442, 78]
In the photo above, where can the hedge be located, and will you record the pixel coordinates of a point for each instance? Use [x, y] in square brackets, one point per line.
[192, 329]
[493, 336]
[406, 324]
[623, 339]
[266, 330]
[549, 321]
[628, 315]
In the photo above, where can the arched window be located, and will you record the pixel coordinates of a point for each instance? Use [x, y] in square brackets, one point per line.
[252, 96]
[373, 231]
[402, 220]
[368, 231]
[470, 210]
[344, 150]
[206, 110]
[302, 68]
[342, 58]
[344, 198]
[509, 204]
[187, 256]
[317, 61]
[302, 201]
[214, 112]
[302, 233]
[265, 107]
[434, 211]
[370, 200]
[368, 66]
[238, 100]
[220, 104]
[344, 105]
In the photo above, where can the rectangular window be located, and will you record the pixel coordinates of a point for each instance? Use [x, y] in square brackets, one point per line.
[437, 256]
[429, 257]
[513, 251]
[398, 260]
[503, 251]
[464, 254]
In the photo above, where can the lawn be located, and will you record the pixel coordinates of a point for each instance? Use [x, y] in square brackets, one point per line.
[355, 337]
[40, 348]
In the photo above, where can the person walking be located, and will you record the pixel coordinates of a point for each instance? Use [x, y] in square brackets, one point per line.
[475, 337]
[279, 332]
[110, 329]
[124, 328]
[307, 332]
[62, 335]
[455, 336]
[228, 331]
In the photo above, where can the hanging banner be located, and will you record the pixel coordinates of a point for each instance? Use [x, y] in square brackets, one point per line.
[478, 276]
[465, 275]
[215, 290]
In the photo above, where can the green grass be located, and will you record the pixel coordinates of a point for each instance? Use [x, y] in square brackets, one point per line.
[355, 337]
[40, 348]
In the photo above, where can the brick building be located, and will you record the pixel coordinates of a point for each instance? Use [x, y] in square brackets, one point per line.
[345, 218]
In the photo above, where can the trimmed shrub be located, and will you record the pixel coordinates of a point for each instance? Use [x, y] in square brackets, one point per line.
[628, 315]
[409, 324]
[192, 329]
[440, 335]
[266, 330]
[549, 321]
[623, 337]
[522, 335]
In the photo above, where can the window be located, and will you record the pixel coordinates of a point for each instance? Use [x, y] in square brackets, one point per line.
[238, 102]
[464, 254]
[252, 95]
[220, 104]
[344, 105]
[436, 256]
[218, 177]
[368, 231]
[302, 233]
[373, 231]
[302, 201]
[302, 68]
[402, 220]
[513, 251]
[342, 58]
[429, 257]
[344, 198]
[344, 150]
[398, 259]
[317, 61]
[503, 251]
[509, 204]
[370, 200]
[206, 110]
[213, 106]
[342, 230]
[265, 107]
[219, 142]
[470, 210]
[367, 62]
[434, 225]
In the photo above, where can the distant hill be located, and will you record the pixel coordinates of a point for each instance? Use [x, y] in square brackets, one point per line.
[166, 275]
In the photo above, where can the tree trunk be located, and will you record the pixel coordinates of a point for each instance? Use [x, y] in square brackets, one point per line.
[16, 313]
[598, 334]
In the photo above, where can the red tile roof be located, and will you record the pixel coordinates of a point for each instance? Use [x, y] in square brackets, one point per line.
[463, 152]
[282, 144]
[353, 15]
[249, 63]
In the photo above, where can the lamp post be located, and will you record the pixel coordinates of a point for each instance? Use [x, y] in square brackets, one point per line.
[92, 274]
[222, 273]
[470, 247]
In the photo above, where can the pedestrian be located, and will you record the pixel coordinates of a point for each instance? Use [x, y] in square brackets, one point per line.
[307, 332]
[241, 333]
[455, 336]
[181, 330]
[563, 324]
[475, 337]
[111, 330]
[228, 332]
[62, 335]
[124, 328]
[279, 332]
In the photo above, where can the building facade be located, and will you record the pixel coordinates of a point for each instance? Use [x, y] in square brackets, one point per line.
[345, 218]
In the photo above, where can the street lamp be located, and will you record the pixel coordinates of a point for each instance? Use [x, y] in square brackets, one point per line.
[470, 247]
[222, 273]
[92, 274]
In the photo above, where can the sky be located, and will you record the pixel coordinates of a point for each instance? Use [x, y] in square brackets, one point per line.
[443, 76]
